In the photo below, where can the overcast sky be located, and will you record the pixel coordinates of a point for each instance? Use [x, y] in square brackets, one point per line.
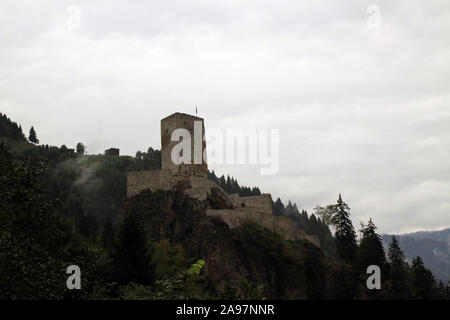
[360, 90]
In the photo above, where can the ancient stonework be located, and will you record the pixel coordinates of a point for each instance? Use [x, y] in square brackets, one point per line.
[197, 185]
[195, 166]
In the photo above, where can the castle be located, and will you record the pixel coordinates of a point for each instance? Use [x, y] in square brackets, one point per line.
[194, 174]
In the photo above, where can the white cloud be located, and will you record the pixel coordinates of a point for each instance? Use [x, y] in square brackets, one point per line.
[362, 112]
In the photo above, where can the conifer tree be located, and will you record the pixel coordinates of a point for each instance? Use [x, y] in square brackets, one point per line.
[278, 208]
[423, 282]
[371, 251]
[398, 273]
[228, 188]
[32, 137]
[133, 253]
[345, 233]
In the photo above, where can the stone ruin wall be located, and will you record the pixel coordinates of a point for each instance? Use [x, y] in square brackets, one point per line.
[263, 202]
[138, 181]
[279, 224]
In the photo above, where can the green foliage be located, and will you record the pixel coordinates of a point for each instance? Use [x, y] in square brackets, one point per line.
[195, 268]
[33, 137]
[342, 281]
[31, 233]
[81, 148]
[423, 282]
[10, 129]
[169, 259]
[135, 291]
[345, 233]
[302, 261]
[247, 291]
[325, 213]
[398, 272]
[36, 246]
[278, 207]
[132, 254]
[371, 251]
[190, 284]
[150, 160]
[231, 186]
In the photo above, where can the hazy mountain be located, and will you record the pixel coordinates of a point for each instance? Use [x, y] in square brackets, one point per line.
[443, 235]
[432, 246]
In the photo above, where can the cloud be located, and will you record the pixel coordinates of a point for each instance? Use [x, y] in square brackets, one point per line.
[363, 112]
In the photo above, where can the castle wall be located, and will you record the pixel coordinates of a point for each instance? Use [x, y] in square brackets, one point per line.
[137, 181]
[262, 203]
[200, 187]
[153, 179]
[279, 224]
[257, 208]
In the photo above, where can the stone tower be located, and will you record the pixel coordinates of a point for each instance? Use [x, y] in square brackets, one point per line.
[195, 126]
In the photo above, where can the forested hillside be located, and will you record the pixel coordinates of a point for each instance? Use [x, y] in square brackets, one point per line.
[60, 206]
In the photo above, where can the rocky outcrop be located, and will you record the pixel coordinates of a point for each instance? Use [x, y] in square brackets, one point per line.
[231, 254]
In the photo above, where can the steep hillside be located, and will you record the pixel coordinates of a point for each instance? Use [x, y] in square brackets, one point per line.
[286, 269]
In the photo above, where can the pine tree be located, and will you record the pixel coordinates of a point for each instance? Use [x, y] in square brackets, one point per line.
[345, 233]
[133, 253]
[423, 282]
[371, 252]
[398, 273]
[371, 248]
[278, 208]
[10, 129]
[228, 187]
[32, 137]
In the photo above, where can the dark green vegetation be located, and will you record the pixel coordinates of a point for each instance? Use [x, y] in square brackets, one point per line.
[59, 207]
[230, 185]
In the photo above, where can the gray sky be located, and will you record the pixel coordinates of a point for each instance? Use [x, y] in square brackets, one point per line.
[362, 103]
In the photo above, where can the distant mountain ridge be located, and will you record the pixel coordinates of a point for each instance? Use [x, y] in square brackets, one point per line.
[442, 235]
[432, 246]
